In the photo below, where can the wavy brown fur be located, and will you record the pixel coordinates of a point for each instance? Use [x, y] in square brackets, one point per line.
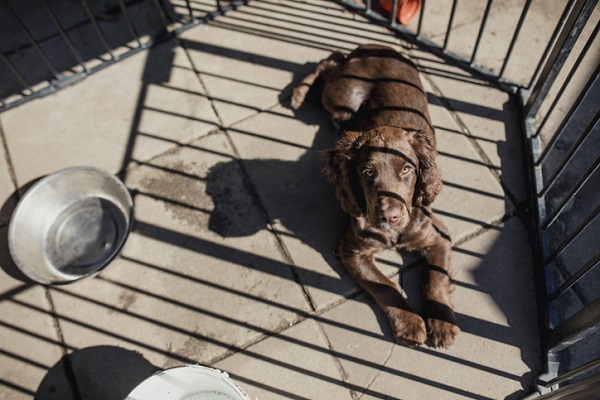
[386, 179]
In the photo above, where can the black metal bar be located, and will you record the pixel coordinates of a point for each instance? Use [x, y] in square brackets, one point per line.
[515, 37]
[575, 278]
[393, 12]
[63, 34]
[26, 33]
[450, 21]
[585, 389]
[486, 13]
[574, 373]
[101, 36]
[162, 14]
[15, 71]
[575, 189]
[551, 42]
[575, 328]
[130, 25]
[589, 88]
[569, 156]
[546, 312]
[421, 15]
[573, 235]
[190, 10]
[575, 23]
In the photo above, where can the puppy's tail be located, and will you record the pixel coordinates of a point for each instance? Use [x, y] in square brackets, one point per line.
[301, 90]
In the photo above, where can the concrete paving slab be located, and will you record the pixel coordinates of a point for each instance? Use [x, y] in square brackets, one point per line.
[134, 110]
[472, 196]
[29, 342]
[181, 293]
[495, 353]
[295, 364]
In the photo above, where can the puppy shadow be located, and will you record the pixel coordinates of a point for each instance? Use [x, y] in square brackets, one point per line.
[299, 201]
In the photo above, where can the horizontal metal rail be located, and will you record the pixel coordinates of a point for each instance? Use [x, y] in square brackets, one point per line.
[552, 149]
[56, 80]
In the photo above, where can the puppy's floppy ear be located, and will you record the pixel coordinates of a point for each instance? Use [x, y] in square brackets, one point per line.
[341, 171]
[429, 180]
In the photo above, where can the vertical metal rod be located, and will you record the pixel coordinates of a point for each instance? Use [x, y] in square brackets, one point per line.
[450, 21]
[32, 41]
[393, 12]
[580, 182]
[64, 36]
[15, 71]
[566, 84]
[576, 372]
[590, 86]
[582, 9]
[97, 28]
[190, 10]
[556, 251]
[571, 154]
[132, 30]
[515, 37]
[486, 13]
[161, 12]
[575, 328]
[421, 15]
[575, 278]
[559, 25]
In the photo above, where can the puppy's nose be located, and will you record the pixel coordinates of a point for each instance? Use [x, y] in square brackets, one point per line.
[391, 215]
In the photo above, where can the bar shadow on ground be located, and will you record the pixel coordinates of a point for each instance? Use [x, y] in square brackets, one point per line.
[296, 225]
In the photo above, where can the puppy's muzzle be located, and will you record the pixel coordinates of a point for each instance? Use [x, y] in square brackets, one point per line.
[391, 210]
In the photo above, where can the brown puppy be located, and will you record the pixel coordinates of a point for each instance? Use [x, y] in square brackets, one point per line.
[386, 178]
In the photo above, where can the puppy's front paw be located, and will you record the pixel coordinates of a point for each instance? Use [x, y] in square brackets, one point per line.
[442, 333]
[409, 328]
[442, 323]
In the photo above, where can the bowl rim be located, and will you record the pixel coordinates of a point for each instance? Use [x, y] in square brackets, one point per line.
[61, 277]
[203, 370]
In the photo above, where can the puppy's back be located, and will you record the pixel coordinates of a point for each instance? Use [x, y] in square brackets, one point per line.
[379, 87]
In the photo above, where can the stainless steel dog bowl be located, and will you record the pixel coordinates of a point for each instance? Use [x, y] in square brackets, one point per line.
[70, 225]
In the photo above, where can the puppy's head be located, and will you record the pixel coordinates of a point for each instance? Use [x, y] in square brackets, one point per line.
[383, 173]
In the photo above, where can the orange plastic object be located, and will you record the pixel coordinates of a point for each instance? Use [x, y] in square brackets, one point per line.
[406, 11]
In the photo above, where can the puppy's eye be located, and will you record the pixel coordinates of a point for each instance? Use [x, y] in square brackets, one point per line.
[406, 169]
[368, 172]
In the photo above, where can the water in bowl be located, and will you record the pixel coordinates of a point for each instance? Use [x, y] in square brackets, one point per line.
[85, 235]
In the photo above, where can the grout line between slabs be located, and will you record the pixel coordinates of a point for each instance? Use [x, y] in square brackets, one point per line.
[284, 252]
[11, 169]
[68, 367]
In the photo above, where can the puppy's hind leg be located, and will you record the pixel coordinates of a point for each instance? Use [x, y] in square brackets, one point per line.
[301, 90]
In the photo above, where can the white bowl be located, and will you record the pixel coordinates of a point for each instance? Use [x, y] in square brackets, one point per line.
[190, 382]
[70, 225]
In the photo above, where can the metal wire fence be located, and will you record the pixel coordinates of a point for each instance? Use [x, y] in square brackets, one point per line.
[558, 91]
[557, 88]
[48, 45]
